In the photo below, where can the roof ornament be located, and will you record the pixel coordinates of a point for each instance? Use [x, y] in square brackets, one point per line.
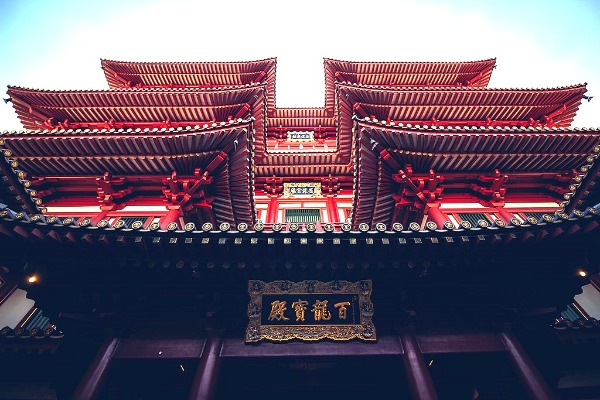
[374, 144]
[588, 98]
[7, 100]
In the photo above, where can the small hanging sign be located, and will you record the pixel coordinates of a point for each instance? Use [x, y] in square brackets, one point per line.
[302, 189]
[301, 136]
[310, 310]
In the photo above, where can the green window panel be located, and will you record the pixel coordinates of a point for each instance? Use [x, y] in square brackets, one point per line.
[303, 215]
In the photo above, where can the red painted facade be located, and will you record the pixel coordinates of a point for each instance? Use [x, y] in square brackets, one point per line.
[396, 142]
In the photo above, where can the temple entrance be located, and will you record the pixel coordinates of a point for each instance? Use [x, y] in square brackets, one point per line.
[149, 379]
[316, 378]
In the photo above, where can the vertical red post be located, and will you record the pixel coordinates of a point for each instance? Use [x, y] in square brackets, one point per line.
[536, 386]
[437, 216]
[205, 381]
[99, 217]
[419, 381]
[272, 209]
[171, 216]
[91, 384]
[505, 215]
[332, 210]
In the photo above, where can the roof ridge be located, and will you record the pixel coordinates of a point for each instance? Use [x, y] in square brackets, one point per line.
[456, 88]
[142, 89]
[106, 60]
[187, 128]
[326, 59]
[489, 129]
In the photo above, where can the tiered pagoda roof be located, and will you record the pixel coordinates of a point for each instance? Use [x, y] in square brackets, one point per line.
[134, 108]
[123, 74]
[394, 158]
[405, 74]
[379, 119]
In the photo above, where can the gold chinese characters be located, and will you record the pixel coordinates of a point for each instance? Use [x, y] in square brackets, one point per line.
[320, 311]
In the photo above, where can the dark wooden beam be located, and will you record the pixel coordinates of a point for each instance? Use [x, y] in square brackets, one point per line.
[159, 349]
[465, 343]
[90, 386]
[534, 383]
[205, 382]
[417, 375]
[389, 345]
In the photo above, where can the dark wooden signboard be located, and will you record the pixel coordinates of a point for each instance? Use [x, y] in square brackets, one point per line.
[310, 310]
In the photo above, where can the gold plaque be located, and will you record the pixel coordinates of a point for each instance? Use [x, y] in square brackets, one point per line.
[310, 310]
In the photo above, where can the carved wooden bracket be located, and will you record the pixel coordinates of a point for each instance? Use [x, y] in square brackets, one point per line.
[273, 186]
[188, 192]
[417, 191]
[111, 190]
[330, 186]
[491, 187]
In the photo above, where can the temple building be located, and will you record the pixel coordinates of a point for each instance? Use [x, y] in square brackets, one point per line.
[179, 236]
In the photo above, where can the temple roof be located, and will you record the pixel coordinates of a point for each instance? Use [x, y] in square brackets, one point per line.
[146, 157]
[407, 74]
[39, 109]
[301, 118]
[456, 149]
[533, 162]
[465, 106]
[127, 74]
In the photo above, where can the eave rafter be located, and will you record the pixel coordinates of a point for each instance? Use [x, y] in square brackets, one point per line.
[405, 74]
[469, 106]
[137, 108]
[198, 75]
[469, 172]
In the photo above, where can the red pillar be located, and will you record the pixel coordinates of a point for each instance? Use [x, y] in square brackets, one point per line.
[104, 210]
[205, 381]
[419, 381]
[171, 216]
[99, 217]
[272, 209]
[505, 215]
[437, 216]
[91, 384]
[332, 210]
[536, 386]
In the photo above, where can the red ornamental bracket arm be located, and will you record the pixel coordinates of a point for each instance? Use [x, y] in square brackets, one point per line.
[418, 191]
[273, 186]
[492, 187]
[549, 118]
[330, 185]
[186, 192]
[111, 190]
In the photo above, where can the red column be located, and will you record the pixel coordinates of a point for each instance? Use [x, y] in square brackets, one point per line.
[419, 381]
[172, 215]
[99, 217]
[505, 215]
[332, 210]
[91, 384]
[104, 210]
[437, 216]
[205, 382]
[536, 386]
[272, 209]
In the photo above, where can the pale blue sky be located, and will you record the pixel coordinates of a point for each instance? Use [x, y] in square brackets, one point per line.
[58, 44]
